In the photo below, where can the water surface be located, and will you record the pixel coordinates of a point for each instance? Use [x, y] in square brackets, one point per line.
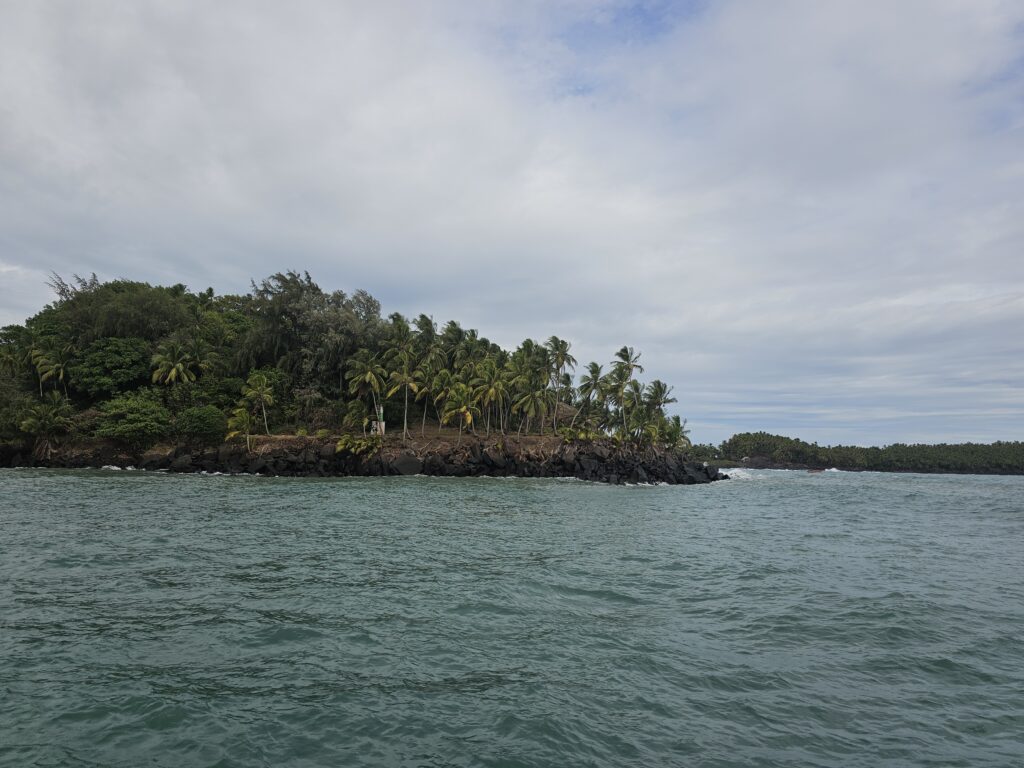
[781, 618]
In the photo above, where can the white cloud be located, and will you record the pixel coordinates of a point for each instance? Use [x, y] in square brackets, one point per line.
[807, 215]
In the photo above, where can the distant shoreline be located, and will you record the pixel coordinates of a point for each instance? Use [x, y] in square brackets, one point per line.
[759, 462]
[761, 450]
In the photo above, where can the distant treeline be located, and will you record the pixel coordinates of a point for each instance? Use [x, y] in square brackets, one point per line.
[974, 458]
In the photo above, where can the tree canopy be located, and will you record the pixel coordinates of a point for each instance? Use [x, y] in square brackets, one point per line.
[152, 362]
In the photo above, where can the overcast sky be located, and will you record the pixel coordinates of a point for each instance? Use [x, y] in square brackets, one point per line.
[808, 216]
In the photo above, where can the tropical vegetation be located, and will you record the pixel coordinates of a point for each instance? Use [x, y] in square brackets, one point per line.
[139, 364]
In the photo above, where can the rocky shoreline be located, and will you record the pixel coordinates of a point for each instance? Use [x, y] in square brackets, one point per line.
[598, 461]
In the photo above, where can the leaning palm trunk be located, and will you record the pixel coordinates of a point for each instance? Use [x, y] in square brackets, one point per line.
[266, 426]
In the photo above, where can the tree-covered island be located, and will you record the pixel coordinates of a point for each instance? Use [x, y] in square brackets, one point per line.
[110, 370]
[291, 379]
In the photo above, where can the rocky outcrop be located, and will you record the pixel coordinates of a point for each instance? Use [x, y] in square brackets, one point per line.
[599, 461]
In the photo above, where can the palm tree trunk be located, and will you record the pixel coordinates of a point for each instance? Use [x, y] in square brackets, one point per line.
[423, 426]
[573, 422]
[266, 426]
[405, 418]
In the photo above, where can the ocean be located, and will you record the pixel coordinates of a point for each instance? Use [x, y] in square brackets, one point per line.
[779, 618]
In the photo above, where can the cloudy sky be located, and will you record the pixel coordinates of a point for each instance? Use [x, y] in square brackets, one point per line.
[808, 216]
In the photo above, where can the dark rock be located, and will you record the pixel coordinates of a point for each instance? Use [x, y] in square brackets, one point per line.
[182, 464]
[494, 458]
[407, 464]
[434, 465]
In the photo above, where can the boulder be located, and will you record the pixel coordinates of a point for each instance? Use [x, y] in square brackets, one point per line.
[435, 465]
[182, 464]
[407, 464]
[493, 457]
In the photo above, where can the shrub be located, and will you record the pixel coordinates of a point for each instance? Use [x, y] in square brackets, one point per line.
[137, 419]
[202, 425]
[358, 446]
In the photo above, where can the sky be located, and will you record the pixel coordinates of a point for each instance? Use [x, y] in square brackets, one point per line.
[808, 216]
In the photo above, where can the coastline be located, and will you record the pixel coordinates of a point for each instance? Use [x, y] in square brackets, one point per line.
[475, 456]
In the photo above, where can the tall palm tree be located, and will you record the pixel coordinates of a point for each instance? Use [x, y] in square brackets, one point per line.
[489, 390]
[560, 359]
[401, 353]
[259, 391]
[173, 364]
[442, 386]
[365, 376]
[404, 379]
[590, 387]
[625, 364]
[424, 377]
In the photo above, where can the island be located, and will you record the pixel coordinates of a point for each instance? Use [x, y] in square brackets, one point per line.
[292, 380]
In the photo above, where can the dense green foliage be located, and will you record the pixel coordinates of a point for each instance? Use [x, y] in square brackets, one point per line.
[136, 419]
[138, 364]
[111, 365]
[999, 457]
[203, 425]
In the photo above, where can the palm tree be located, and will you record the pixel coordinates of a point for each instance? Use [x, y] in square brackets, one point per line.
[489, 389]
[45, 421]
[259, 391]
[675, 433]
[173, 364]
[534, 405]
[590, 387]
[202, 354]
[630, 360]
[52, 363]
[442, 386]
[241, 423]
[626, 362]
[405, 380]
[366, 376]
[424, 377]
[461, 405]
[659, 394]
[401, 353]
[560, 359]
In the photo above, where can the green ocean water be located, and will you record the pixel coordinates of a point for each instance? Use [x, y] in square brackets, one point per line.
[777, 619]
